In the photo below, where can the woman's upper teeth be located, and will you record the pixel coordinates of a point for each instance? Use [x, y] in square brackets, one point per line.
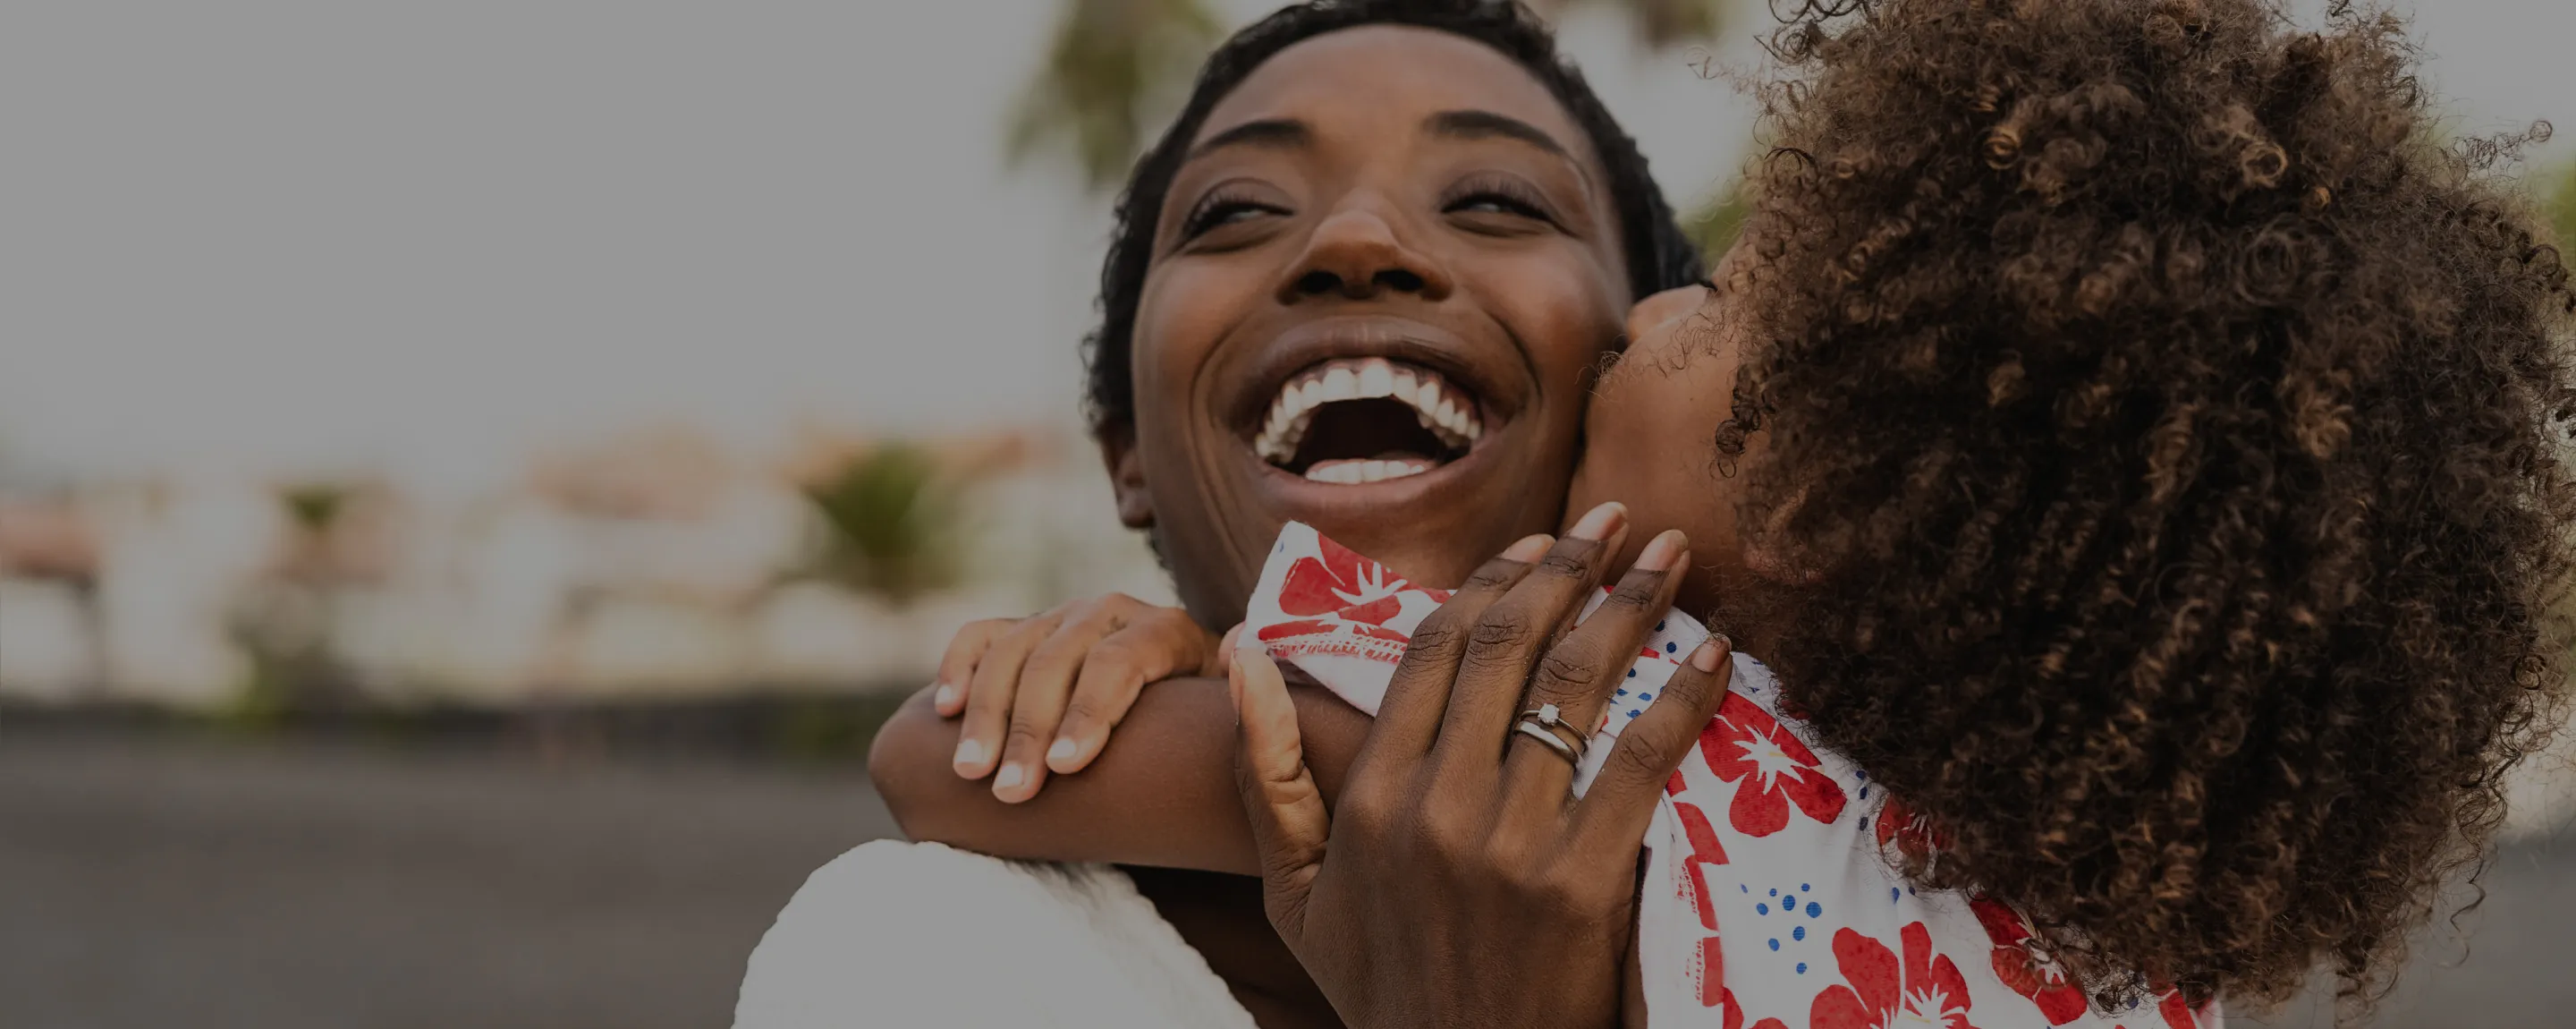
[1440, 407]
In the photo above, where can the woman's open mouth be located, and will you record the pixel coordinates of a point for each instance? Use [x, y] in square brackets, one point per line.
[1351, 421]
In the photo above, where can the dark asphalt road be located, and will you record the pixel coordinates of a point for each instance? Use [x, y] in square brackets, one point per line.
[153, 882]
[213, 885]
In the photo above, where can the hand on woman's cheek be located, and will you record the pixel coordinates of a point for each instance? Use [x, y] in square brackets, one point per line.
[1650, 437]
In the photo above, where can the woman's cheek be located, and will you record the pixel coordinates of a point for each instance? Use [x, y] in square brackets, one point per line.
[1187, 306]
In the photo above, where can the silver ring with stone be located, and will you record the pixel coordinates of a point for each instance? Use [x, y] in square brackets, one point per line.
[1547, 719]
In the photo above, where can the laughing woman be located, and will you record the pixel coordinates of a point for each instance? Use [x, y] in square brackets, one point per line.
[1410, 207]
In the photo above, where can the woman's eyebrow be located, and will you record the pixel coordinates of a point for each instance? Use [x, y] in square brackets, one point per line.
[1480, 124]
[1475, 124]
[1266, 132]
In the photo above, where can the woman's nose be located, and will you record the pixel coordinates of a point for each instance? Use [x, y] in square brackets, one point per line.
[1357, 255]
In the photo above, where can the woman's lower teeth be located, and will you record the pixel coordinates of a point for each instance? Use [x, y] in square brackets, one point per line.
[1352, 473]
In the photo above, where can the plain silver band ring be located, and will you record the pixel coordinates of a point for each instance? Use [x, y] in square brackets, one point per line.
[1537, 732]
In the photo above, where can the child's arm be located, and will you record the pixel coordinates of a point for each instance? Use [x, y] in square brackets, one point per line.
[1164, 796]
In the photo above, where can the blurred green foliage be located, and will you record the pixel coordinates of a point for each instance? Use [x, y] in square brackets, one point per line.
[1659, 23]
[834, 729]
[1112, 67]
[1717, 222]
[889, 525]
[314, 507]
[1115, 68]
[286, 625]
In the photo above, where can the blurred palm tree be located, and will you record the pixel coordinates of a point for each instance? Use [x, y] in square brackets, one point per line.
[1112, 66]
[888, 523]
[1116, 67]
[288, 623]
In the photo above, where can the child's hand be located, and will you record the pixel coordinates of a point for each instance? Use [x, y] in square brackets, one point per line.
[1055, 684]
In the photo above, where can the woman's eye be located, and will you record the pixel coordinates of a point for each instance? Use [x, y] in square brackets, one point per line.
[1485, 203]
[1226, 212]
[1497, 203]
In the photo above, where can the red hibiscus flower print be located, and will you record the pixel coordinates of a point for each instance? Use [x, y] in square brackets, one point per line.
[1344, 584]
[1704, 851]
[1879, 993]
[1912, 833]
[1734, 1018]
[2177, 1013]
[1343, 592]
[1772, 770]
[2022, 968]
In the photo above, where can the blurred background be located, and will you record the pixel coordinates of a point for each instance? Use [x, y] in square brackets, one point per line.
[473, 475]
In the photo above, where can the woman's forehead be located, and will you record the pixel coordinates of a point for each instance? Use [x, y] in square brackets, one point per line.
[1388, 78]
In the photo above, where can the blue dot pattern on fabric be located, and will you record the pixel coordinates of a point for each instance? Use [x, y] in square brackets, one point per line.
[1775, 893]
[1761, 909]
[1633, 712]
[1864, 793]
[1802, 968]
[1659, 626]
[1775, 943]
[1645, 696]
[1804, 887]
[1672, 647]
[1814, 909]
[1798, 933]
[1741, 888]
[1891, 895]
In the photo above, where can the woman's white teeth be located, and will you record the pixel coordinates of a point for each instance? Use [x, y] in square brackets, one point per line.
[1355, 472]
[1437, 405]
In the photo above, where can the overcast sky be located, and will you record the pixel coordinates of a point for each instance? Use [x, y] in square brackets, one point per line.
[266, 236]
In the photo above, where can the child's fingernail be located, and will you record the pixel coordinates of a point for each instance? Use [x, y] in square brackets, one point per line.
[1662, 552]
[1530, 548]
[1062, 750]
[1009, 776]
[970, 753]
[944, 696]
[1600, 522]
[1705, 658]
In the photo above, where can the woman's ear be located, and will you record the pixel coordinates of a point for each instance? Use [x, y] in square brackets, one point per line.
[1126, 476]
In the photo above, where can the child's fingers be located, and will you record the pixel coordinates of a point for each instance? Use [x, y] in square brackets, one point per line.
[1289, 821]
[1614, 813]
[957, 666]
[1038, 703]
[1156, 644]
[988, 699]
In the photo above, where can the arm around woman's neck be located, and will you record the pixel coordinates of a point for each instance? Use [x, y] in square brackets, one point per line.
[1161, 793]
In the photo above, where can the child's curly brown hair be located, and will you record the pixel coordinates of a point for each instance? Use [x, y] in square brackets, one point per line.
[2173, 429]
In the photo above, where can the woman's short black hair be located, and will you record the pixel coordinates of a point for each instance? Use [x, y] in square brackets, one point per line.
[1659, 255]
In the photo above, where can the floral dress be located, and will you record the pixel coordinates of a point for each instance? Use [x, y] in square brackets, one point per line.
[1772, 901]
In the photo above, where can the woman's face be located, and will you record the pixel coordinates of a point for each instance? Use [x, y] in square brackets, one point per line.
[1379, 282]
